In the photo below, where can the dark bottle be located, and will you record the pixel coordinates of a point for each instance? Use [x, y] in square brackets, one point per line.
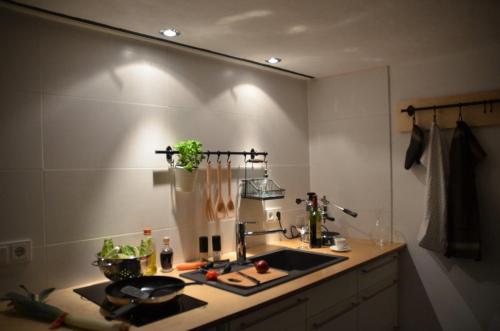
[314, 224]
[216, 247]
[166, 256]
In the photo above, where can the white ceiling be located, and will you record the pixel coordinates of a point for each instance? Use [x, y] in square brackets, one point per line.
[313, 37]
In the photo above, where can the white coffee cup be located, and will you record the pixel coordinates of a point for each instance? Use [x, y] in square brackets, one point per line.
[340, 243]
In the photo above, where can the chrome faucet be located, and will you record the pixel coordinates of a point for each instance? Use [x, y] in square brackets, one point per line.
[241, 233]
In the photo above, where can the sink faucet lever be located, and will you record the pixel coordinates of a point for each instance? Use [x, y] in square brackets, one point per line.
[241, 233]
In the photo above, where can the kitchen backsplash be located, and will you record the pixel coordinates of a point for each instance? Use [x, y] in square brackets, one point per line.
[81, 114]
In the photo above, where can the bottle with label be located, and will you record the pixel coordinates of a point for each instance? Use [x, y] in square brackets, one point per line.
[151, 268]
[166, 256]
[314, 224]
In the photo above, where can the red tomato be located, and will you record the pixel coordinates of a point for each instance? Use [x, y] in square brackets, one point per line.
[211, 275]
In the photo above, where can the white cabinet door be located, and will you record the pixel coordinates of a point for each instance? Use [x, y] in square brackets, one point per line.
[342, 316]
[289, 315]
[378, 309]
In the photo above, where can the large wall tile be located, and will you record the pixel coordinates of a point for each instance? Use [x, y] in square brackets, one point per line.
[89, 204]
[91, 64]
[20, 130]
[33, 275]
[351, 95]
[19, 58]
[83, 133]
[21, 206]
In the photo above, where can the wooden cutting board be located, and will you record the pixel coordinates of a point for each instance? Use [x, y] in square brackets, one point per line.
[235, 279]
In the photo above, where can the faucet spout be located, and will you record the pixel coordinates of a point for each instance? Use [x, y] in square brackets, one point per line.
[241, 233]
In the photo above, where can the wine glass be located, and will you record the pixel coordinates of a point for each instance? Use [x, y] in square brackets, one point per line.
[302, 227]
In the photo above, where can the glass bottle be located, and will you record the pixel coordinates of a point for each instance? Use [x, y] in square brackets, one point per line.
[216, 247]
[314, 224]
[166, 256]
[151, 268]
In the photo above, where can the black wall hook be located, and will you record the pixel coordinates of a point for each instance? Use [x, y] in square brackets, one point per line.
[460, 118]
[434, 115]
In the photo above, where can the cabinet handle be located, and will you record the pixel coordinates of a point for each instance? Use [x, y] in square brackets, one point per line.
[368, 270]
[299, 301]
[317, 325]
[395, 281]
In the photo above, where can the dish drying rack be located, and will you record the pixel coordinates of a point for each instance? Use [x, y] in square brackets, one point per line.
[261, 188]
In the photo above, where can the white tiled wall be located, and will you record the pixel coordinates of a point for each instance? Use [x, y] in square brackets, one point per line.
[349, 130]
[81, 114]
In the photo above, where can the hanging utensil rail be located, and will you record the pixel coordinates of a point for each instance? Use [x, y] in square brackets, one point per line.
[252, 154]
[411, 110]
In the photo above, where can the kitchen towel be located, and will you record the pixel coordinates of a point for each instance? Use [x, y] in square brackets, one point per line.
[432, 233]
[463, 231]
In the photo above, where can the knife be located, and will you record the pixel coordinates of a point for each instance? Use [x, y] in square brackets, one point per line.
[255, 280]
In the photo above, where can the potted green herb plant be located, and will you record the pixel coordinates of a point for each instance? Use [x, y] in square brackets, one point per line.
[186, 167]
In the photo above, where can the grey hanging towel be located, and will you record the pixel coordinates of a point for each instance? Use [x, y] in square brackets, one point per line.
[432, 233]
[463, 231]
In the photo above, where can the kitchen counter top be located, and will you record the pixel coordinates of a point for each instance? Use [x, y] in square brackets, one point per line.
[222, 305]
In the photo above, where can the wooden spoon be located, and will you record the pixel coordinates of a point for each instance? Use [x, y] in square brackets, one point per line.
[229, 203]
[220, 206]
[209, 210]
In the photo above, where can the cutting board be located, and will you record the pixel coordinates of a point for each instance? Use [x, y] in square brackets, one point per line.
[235, 279]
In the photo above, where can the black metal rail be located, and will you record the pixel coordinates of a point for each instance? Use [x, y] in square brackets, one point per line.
[252, 154]
[411, 110]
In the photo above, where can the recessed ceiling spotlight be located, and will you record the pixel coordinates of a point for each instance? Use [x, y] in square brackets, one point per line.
[171, 32]
[273, 60]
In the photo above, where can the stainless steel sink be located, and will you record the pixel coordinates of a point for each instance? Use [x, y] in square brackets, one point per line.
[296, 262]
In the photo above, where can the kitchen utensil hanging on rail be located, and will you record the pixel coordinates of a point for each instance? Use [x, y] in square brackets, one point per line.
[229, 203]
[220, 206]
[209, 210]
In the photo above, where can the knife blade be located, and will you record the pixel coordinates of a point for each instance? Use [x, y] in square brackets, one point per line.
[255, 280]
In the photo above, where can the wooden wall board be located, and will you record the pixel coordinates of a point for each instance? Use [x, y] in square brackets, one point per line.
[447, 118]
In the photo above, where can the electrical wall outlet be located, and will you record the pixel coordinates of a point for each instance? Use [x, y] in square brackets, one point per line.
[271, 214]
[20, 251]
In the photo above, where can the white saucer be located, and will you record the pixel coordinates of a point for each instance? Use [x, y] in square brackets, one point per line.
[334, 248]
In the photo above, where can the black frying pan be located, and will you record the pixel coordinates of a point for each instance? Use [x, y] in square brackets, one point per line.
[161, 288]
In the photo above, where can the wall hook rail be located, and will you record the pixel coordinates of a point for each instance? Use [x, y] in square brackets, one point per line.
[410, 110]
[170, 152]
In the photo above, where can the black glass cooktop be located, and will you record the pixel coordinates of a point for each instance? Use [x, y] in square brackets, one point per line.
[142, 314]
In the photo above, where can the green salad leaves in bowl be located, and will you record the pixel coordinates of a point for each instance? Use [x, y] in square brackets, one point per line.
[124, 261]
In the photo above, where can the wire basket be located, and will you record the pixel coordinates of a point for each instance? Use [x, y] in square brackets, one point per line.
[261, 189]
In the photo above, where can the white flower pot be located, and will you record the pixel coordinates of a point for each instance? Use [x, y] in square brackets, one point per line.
[184, 180]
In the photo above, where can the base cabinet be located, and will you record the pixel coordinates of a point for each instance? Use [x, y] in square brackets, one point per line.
[342, 316]
[288, 314]
[363, 299]
[378, 311]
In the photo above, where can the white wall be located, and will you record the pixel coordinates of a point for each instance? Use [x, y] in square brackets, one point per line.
[81, 114]
[349, 146]
[463, 294]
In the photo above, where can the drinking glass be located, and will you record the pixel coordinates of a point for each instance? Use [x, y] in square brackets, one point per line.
[302, 227]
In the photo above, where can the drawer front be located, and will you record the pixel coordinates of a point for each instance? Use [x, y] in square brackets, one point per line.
[330, 293]
[377, 271]
[289, 314]
[342, 316]
[378, 309]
